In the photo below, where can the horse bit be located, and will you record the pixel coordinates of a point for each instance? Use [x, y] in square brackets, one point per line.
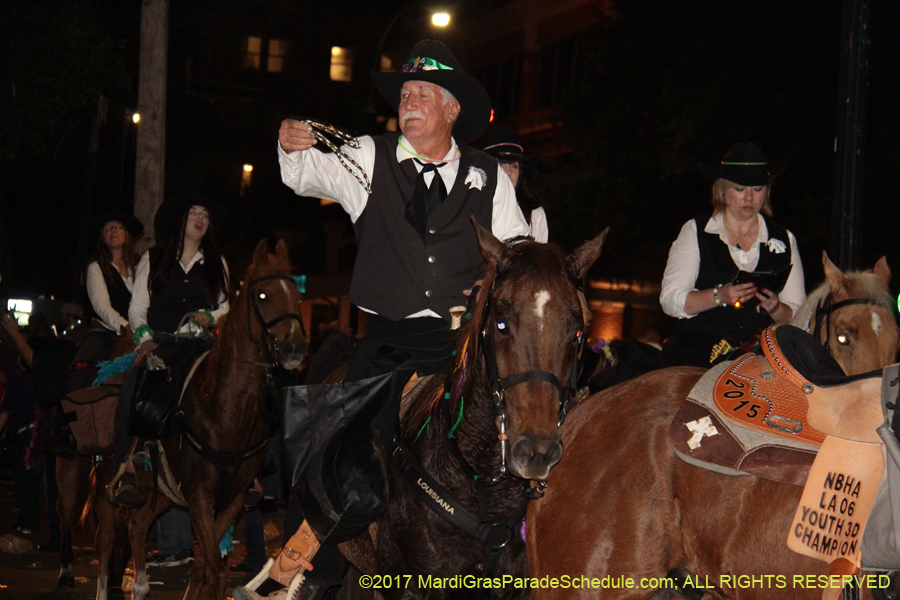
[269, 345]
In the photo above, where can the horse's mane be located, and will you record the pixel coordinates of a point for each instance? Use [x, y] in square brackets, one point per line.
[862, 284]
[465, 366]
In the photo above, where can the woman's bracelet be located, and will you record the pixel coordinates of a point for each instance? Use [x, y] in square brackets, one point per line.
[716, 295]
[208, 313]
[140, 333]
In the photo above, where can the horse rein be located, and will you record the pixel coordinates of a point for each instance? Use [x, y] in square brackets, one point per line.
[823, 314]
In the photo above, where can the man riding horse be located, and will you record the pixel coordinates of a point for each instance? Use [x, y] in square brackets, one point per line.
[417, 251]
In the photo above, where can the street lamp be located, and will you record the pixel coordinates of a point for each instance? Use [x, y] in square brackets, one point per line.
[440, 19]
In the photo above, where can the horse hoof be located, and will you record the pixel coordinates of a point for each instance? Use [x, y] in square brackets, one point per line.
[115, 593]
[65, 582]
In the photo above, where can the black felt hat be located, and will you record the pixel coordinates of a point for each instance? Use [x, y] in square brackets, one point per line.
[169, 215]
[129, 221]
[744, 164]
[432, 62]
[503, 144]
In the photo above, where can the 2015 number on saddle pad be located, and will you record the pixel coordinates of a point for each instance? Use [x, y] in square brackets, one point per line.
[751, 393]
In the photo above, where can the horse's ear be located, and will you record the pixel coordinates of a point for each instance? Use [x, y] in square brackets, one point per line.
[883, 270]
[262, 250]
[494, 251]
[833, 275]
[281, 250]
[578, 263]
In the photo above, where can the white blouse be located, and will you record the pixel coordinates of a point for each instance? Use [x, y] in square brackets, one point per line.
[99, 296]
[683, 265]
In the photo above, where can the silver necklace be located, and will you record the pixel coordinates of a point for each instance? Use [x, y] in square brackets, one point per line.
[324, 132]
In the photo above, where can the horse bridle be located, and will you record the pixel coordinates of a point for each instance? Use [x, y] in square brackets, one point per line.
[500, 384]
[823, 314]
[268, 343]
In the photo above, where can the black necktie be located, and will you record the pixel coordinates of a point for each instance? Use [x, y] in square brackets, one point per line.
[425, 200]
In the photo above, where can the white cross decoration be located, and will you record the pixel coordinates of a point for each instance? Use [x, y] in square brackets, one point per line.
[700, 427]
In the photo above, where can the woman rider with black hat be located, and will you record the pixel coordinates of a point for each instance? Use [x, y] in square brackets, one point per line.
[183, 279]
[503, 144]
[716, 315]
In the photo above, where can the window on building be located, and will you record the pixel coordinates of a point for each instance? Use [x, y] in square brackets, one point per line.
[253, 55]
[503, 83]
[557, 70]
[277, 50]
[341, 64]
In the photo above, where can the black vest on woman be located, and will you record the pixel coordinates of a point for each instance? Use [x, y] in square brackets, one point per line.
[182, 293]
[694, 338]
[397, 273]
[119, 296]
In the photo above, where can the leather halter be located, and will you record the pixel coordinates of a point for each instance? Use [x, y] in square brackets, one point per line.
[823, 314]
[268, 343]
[500, 384]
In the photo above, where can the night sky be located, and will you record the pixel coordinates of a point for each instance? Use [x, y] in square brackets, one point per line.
[663, 86]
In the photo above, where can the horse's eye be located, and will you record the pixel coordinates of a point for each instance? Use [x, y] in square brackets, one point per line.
[502, 328]
[262, 295]
[843, 340]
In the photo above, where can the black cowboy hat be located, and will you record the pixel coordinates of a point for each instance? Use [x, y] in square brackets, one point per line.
[503, 144]
[169, 214]
[128, 220]
[432, 62]
[744, 164]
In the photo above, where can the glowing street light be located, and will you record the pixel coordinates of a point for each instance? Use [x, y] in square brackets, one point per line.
[440, 19]
[248, 168]
[136, 117]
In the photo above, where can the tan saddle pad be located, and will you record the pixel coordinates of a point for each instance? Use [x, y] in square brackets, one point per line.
[702, 437]
[91, 413]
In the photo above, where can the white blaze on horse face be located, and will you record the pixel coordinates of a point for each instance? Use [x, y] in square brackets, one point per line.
[876, 323]
[540, 301]
[287, 291]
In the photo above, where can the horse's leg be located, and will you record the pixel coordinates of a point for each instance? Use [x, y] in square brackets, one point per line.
[71, 478]
[106, 517]
[217, 574]
[206, 545]
[138, 524]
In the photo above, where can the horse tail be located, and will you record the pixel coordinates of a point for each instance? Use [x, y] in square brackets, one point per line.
[88, 511]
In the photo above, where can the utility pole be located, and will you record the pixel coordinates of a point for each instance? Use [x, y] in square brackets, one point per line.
[149, 180]
[849, 143]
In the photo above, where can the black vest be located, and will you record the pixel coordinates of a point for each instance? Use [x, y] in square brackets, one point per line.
[182, 293]
[397, 273]
[119, 296]
[716, 266]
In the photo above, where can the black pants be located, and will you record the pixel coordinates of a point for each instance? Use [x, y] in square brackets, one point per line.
[387, 345]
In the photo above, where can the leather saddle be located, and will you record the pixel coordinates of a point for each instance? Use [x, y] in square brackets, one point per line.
[767, 415]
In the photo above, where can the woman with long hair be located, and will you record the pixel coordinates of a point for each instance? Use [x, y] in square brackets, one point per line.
[180, 288]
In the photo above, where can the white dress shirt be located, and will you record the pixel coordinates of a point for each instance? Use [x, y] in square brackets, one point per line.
[140, 295]
[99, 296]
[683, 266]
[320, 175]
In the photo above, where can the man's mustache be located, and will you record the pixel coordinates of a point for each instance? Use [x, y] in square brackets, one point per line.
[412, 114]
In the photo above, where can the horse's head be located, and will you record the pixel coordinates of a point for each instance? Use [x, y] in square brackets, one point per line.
[272, 303]
[853, 317]
[533, 325]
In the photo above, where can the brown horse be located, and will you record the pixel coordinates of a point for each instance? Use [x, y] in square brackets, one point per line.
[77, 482]
[622, 504]
[224, 424]
[511, 375]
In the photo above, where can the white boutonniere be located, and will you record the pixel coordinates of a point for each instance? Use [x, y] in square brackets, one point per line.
[776, 246]
[476, 178]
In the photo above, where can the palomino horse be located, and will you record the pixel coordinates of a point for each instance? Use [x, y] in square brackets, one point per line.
[517, 356]
[225, 424]
[839, 313]
[622, 504]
